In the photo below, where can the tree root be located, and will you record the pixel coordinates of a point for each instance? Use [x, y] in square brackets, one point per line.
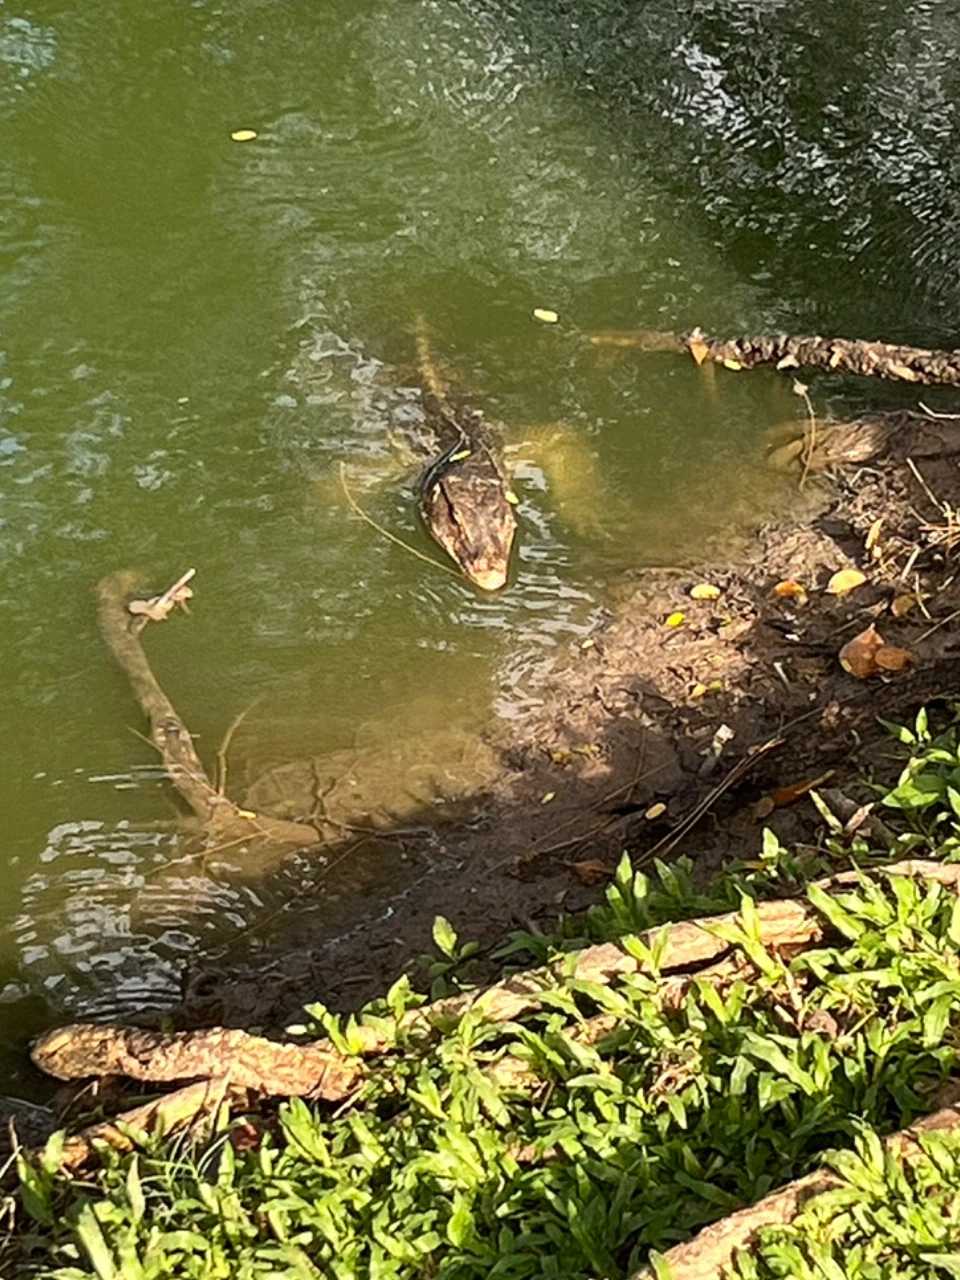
[713, 1249]
[317, 1069]
[834, 355]
[219, 818]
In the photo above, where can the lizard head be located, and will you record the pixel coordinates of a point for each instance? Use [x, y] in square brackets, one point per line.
[467, 511]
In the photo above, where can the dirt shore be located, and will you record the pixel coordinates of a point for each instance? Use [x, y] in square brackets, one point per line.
[642, 724]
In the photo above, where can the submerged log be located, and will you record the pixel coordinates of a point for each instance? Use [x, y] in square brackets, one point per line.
[868, 359]
[217, 815]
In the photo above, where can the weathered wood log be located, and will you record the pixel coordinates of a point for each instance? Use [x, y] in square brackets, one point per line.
[218, 816]
[712, 1250]
[868, 359]
[92, 1049]
[251, 1062]
[163, 1115]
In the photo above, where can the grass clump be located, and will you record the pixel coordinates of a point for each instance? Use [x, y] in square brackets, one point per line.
[531, 1149]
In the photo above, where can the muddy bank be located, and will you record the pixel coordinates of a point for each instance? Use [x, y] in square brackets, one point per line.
[642, 726]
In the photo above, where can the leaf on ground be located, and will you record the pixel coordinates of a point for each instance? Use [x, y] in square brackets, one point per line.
[790, 590]
[796, 790]
[674, 620]
[845, 581]
[872, 541]
[902, 605]
[867, 654]
[243, 135]
[547, 797]
[890, 657]
[591, 871]
[764, 807]
[705, 591]
[858, 656]
[545, 315]
[655, 811]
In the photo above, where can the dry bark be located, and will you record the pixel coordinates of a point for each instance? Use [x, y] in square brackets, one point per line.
[217, 815]
[251, 1062]
[712, 1250]
[834, 355]
[163, 1115]
[91, 1049]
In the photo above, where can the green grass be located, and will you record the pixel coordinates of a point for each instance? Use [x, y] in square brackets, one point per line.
[623, 1147]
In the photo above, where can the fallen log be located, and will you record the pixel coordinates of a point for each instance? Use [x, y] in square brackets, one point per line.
[218, 816]
[317, 1069]
[163, 1115]
[868, 359]
[248, 1061]
[712, 1250]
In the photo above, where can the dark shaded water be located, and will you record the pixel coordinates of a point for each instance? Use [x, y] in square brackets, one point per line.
[195, 332]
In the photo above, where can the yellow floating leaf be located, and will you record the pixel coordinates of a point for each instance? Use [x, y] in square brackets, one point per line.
[511, 497]
[705, 591]
[655, 811]
[735, 365]
[243, 135]
[675, 620]
[790, 590]
[788, 362]
[845, 581]
[698, 349]
[545, 315]
[902, 605]
[698, 690]
[547, 797]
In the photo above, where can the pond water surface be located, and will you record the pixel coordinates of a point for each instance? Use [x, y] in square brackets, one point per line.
[195, 332]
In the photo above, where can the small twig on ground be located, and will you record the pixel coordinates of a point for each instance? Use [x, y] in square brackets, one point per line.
[739, 771]
[937, 625]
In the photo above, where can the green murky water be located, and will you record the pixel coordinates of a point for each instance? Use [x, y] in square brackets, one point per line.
[195, 332]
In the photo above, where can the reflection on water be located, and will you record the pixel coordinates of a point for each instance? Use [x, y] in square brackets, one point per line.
[195, 334]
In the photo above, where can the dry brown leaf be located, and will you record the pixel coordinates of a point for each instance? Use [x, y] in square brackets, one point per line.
[591, 871]
[698, 349]
[790, 590]
[845, 581]
[796, 790]
[764, 807]
[890, 657]
[705, 591]
[873, 537]
[858, 656]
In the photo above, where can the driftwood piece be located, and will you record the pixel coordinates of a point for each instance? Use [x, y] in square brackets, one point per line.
[159, 1115]
[834, 355]
[712, 1250]
[217, 815]
[92, 1049]
[251, 1062]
